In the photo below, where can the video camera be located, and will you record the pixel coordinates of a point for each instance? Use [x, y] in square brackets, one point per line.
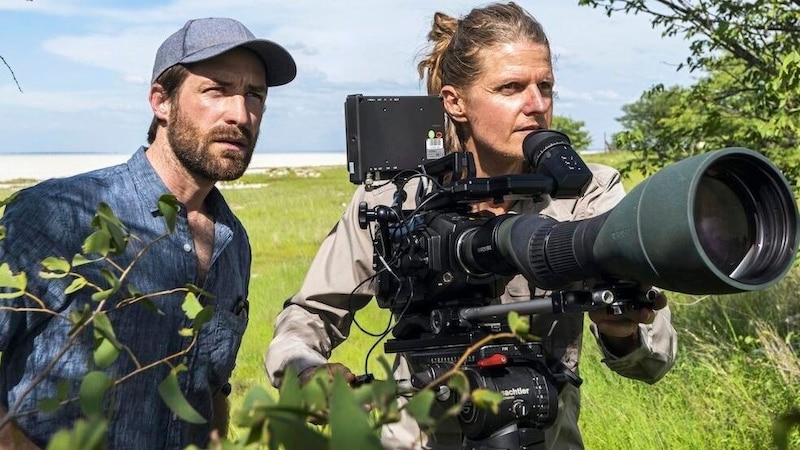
[717, 223]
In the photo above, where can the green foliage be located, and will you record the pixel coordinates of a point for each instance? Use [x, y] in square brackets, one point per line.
[170, 391]
[86, 435]
[749, 96]
[110, 238]
[698, 404]
[13, 282]
[92, 391]
[578, 135]
[722, 370]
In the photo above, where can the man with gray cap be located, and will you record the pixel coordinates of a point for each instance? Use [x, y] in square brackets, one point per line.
[208, 92]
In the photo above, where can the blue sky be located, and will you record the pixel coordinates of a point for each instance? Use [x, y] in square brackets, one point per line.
[84, 69]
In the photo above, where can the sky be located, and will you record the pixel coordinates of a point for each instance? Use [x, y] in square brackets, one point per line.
[84, 66]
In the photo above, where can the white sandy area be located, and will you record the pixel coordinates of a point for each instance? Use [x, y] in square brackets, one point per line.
[44, 166]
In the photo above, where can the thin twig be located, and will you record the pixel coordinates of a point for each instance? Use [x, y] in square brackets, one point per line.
[12, 73]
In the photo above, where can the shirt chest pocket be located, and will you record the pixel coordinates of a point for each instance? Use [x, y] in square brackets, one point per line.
[222, 344]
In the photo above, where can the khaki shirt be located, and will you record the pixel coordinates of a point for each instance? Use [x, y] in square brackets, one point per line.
[318, 317]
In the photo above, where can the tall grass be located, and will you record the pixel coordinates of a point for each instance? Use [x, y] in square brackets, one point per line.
[736, 371]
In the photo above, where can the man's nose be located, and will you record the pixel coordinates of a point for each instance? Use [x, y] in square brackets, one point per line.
[236, 112]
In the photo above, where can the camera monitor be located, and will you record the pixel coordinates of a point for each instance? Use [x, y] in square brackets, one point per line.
[389, 134]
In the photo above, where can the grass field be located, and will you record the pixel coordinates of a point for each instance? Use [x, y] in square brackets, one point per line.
[736, 372]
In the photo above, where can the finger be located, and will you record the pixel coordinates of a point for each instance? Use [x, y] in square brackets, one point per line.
[605, 316]
[641, 315]
[660, 301]
[618, 329]
[339, 368]
[658, 298]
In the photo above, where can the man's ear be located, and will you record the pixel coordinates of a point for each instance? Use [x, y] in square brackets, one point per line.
[159, 102]
[453, 103]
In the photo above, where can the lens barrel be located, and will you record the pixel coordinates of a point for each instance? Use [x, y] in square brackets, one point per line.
[717, 223]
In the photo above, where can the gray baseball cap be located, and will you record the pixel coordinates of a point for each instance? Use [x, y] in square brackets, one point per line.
[201, 39]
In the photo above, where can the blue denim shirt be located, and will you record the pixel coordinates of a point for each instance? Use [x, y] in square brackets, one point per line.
[53, 219]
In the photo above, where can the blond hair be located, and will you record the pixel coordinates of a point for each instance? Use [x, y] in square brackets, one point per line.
[454, 58]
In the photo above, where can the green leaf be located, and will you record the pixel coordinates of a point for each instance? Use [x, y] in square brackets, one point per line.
[80, 260]
[105, 353]
[191, 306]
[93, 389]
[349, 421]
[54, 268]
[170, 391]
[84, 435]
[293, 433]
[49, 405]
[169, 207]
[203, 317]
[486, 399]
[134, 291]
[460, 385]
[78, 317]
[253, 414]
[108, 347]
[518, 325]
[102, 295]
[255, 397]
[63, 389]
[113, 285]
[77, 284]
[419, 407]
[110, 278]
[147, 303]
[8, 279]
[105, 219]
[459, 382]
[314, 394]
[8, 199]
[98, 242]
[198, 291]
[2, 232]
[291, 393]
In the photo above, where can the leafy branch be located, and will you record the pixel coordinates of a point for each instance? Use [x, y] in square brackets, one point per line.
[328, 413]
[110, 239]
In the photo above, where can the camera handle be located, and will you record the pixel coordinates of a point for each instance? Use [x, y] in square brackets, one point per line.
[617, 299]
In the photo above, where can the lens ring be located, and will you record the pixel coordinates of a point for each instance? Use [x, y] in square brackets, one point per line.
[756, 225]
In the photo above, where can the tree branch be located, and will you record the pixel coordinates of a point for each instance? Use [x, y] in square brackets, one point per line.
[12, 73]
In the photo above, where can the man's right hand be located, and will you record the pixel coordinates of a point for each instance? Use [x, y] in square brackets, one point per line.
[331, 369]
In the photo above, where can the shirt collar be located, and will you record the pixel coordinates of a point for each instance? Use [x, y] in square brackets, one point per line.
[148, 184]
[151, 187]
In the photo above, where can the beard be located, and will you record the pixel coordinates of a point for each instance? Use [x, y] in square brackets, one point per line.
[192, 148]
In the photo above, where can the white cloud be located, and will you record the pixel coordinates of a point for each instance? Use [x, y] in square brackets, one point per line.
[344, 47]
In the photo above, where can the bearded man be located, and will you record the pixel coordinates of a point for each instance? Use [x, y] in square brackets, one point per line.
[208, 92]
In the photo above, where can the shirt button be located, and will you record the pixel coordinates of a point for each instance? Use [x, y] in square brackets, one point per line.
[187, 247]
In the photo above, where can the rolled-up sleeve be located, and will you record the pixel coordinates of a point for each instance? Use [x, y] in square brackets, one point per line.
[655, 356]
[318, 318]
